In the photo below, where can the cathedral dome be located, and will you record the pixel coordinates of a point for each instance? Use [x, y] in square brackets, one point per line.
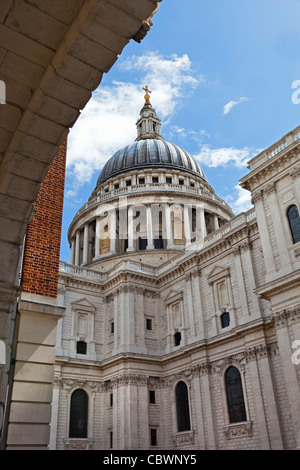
[150, 153]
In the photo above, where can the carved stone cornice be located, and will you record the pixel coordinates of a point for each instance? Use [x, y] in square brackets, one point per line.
[261, 351]
[295, 172]
[129, 379]
[269, 188]
[284, 317]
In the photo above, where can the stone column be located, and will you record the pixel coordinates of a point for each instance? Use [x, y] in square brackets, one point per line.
[198, 302]
[141, 320]
[216, 222]
[202, 223]
[150, 245]
[72, 255]
[257, 200]
[249, 267]
[168, 231]
[240, 280]
[199, 414]
[127, 420]
[282, 246]
[261, 419]
[113, 231]
[144, 415]
[206, 389]
[189, 296]
[130, 230]
[85, 243]
[187, 225]
[116, 321]
[54, 416]
[281, 322]
[77, 248]
[97, 238]
[127, 317]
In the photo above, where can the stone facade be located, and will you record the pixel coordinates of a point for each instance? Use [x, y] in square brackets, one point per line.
[153, 317]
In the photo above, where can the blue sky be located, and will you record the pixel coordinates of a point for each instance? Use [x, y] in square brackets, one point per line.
[221, 75]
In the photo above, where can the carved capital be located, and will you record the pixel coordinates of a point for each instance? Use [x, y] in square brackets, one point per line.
[257, 196]
[246, 245]
[235, 250]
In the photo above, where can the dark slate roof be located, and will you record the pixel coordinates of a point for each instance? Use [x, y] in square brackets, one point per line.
[150, 153]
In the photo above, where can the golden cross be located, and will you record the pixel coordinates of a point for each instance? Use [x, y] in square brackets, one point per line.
[147, 96]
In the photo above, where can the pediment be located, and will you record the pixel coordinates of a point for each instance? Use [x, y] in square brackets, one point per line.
[83, 303]
[217, 272]
[174, 295]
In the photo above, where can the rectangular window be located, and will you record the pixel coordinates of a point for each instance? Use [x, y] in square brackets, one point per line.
[128, 183]
[111, 440]
[112, 327]
[148, 324]
[181, 182]
[141, 180]
[152, 397]
[168, 180]
[155, 179]
[153, 434]
[111, 399]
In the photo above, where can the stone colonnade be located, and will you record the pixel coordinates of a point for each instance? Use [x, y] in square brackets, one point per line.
[176, 224]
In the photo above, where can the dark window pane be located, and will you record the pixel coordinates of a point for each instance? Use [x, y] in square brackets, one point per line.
[294, 222]
[152, 396]
[159, 243]
[112, 328]
[225, 319]
[177, 338]
[111, 440]
[153, 433]
[182, 407]
[143, 242]
[235, 396]
[79, 414]
[148, 323]
[81, 347]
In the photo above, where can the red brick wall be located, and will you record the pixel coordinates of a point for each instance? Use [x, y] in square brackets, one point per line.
[42, 244]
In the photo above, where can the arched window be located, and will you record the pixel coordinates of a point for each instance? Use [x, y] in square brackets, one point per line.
[235, 395]
[294, 222]
[182, 407]
[79, 414]
[225, 319]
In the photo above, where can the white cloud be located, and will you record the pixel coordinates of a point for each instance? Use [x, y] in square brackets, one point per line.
[224, 156]
[228, 107]
[108, 121]
[240, 201]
